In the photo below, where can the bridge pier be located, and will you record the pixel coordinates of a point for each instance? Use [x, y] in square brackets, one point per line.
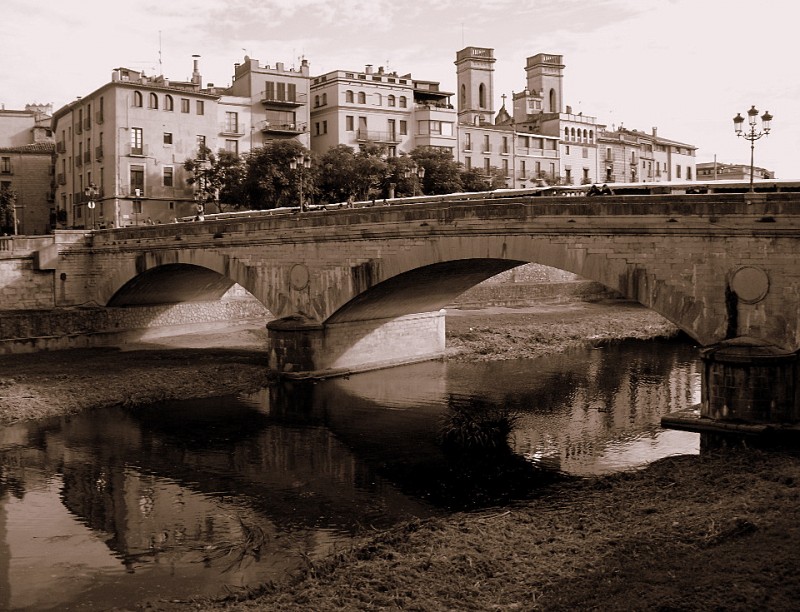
[299, 348]
[749, 388]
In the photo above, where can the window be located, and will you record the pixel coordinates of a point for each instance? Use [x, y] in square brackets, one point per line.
[137, 179]
[486, 146]
[184, 105]
[403, 102]
[269, 90]
[378, 99]
[324, 99]
[522, 168]
[505, 167]
[136, 207]
[468, 163]
[232, 122]
[167, 176]
[348, 95]
[568, 176]
[292, 92]
[325, 127]
[689, 173]
[201, 107]
[391, 100]
[201, 146]
[566, 149]
[153, 100]
[169, 104]
[403, 127]
[137, 98]
[5, 165]
[482, 96]
[167, 138]
[137, 136]
[677, 172]
[232, 146]
[467, 141]
[316, 101]
[316, 129]
[487, 167]
[349, 123]
[505, 145]
[281, 91]
[585, 153]
[362, 97]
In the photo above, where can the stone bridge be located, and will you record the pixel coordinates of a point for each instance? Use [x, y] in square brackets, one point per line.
[363, 288]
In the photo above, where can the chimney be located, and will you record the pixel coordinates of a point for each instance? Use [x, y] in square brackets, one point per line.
[279, 66]
[368, 69]
[380, 69]
[569, 110]
[655, 131]
[196, 78]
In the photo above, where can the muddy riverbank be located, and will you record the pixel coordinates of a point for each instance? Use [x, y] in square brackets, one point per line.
[715, 531]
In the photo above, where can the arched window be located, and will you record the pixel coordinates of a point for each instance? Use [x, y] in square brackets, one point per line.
[591, 135]
[362, 97]
[348, 95]
[463, 98]
[482, 96]
[572, 131]
[585, 136]
[378, 99]
[137, 98]
[169, 104]
[566, 133]
[390, 100]
[153, 100]
[553, 101]
[316, 101]
[324, 99]
[403, 101]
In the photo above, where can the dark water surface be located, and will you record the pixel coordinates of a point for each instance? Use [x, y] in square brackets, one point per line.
[117, 507]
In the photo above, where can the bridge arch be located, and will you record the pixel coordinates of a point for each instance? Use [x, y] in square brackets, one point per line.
[432, 275]
[159, 277]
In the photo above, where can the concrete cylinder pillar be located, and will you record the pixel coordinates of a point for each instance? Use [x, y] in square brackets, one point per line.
[749, 381]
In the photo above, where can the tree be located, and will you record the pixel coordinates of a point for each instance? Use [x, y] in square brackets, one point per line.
[270, 181]
[370, 172]
[8, 198]
[337, 174]
[475, 180]
[442, 172]
[219, 178]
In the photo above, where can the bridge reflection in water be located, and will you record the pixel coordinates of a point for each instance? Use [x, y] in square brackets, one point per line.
[193, 497]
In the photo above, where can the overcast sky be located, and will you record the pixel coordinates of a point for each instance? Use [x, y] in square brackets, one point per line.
[683, 66]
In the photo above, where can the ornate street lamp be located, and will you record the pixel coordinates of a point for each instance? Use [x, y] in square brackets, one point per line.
[299, 163]
[752, 135]
[419, 172]
[91, 193]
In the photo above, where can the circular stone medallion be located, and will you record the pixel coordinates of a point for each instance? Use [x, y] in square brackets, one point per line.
[750, 284]
[298, 277]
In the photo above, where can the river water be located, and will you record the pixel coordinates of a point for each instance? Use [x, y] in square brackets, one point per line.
[206, 497]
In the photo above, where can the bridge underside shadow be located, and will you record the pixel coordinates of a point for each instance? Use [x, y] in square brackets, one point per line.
[398, 321]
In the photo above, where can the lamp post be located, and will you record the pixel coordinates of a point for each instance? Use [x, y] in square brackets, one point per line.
[419, 172]
[298, 163]
[752, 135]
[91, 193]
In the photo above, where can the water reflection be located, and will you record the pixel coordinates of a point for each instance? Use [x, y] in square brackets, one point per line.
[118, 506]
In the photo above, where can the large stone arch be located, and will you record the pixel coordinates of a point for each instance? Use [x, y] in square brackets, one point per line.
[178, 275]
[431, 275]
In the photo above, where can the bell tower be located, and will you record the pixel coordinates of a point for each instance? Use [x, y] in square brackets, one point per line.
[475, 77]
[545, 73]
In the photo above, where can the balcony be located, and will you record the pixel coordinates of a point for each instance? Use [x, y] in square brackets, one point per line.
[132, 151]
[227, 129]
[78, 160]
[98, 152]
[87, 157]
[363, 135]
[274, 101]
[87, 123]
[98, 116]
[61, 147]
[61, 179]
[275, 127]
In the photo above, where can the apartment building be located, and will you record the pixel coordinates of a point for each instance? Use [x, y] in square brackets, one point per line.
[632, 156]
[378, 107]
[718, 171]
[26, 168]
[273, 102]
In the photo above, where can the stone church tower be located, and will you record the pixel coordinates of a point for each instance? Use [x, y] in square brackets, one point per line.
[475, 77]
